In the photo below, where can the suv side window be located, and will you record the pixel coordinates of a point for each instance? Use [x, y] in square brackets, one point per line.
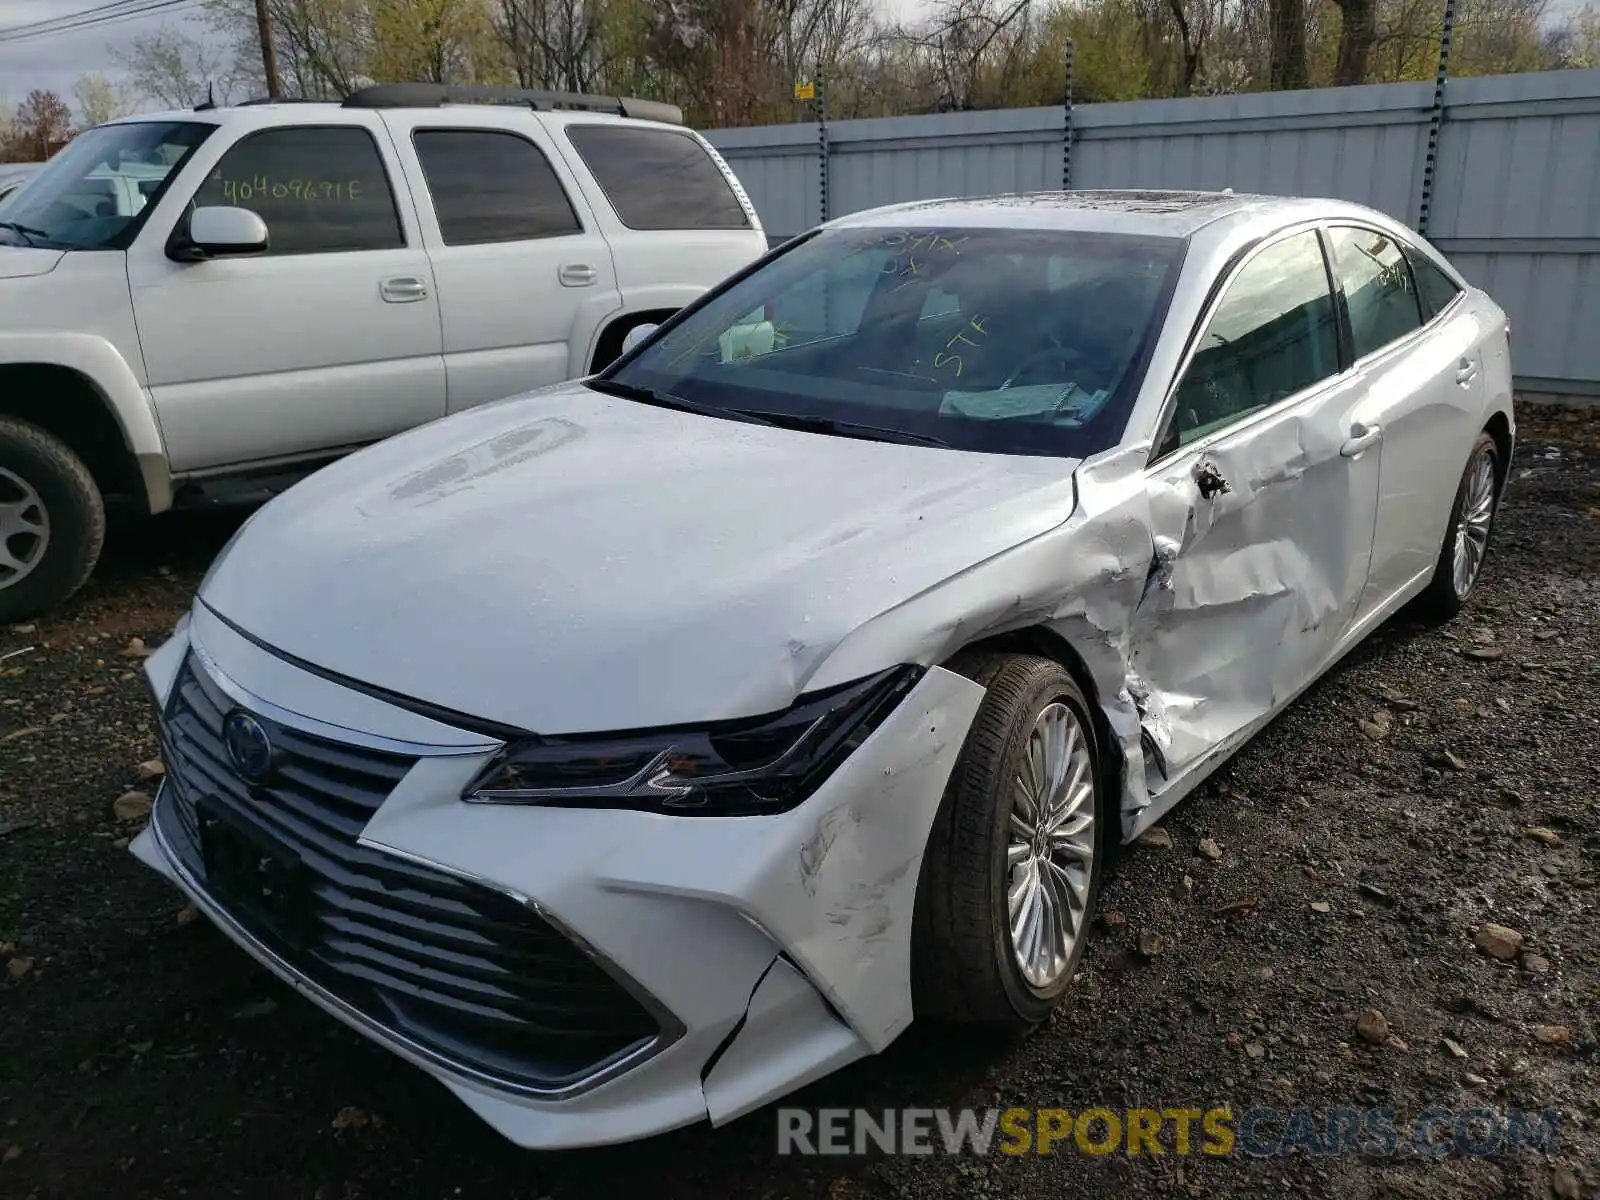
[1434, 287]
[319, 189]
[658, 179]
[1379, 293]
[1273, 334]
[491, 186]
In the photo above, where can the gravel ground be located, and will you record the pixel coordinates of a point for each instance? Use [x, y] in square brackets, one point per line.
[1354, 849]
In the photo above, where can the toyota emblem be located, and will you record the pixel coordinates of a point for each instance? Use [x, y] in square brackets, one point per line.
[249, 748]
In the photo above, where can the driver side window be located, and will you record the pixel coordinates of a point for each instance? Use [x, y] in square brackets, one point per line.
[1274, 334]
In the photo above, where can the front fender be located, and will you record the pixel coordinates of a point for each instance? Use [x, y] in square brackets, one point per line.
[99, 362]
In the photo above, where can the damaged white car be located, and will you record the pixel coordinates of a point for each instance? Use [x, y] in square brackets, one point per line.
[634, 752]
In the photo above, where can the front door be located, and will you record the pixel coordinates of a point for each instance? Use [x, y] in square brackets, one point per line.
[329, 339]
[1262, 505]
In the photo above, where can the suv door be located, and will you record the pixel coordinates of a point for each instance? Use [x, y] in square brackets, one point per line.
[1262, 506]
[522, 279]
[1420, 363]
[327, 340]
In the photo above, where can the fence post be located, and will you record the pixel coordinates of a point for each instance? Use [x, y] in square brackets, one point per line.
[1066, 129]
[822, 140]
[1435, 122]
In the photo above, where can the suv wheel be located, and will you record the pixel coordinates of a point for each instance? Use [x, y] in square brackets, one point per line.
[52, 520]
[1014, 859]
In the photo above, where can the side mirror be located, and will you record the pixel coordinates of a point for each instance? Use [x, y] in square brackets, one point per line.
[218, 231]
[636, 335]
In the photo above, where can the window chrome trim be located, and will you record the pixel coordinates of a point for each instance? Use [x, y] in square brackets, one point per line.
[1219, 289]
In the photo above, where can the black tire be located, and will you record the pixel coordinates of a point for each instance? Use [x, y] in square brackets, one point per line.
[33, 459]
[963, 968]
[1440, 601]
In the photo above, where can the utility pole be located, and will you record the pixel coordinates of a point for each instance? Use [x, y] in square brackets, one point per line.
[269, 55]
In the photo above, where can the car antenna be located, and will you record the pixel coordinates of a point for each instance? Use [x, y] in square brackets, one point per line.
[210, 101]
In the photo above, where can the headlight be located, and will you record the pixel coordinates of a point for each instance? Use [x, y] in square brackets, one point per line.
[760, 765]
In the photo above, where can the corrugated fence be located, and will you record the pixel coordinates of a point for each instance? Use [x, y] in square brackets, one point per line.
[1516, 192]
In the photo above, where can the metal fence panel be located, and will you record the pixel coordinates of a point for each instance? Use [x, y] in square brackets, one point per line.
[1514, 199]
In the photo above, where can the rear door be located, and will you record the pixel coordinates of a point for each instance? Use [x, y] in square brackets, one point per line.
[327, 340]
[674, 215]
[523, 276]
[1261, 508]
[1420, 366]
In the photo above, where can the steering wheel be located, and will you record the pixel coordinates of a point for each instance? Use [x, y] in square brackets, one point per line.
[1057, 351]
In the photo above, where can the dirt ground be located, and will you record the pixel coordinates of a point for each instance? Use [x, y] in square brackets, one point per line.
[1362, 839]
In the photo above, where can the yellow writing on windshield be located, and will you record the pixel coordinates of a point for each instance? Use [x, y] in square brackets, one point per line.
[971, 334]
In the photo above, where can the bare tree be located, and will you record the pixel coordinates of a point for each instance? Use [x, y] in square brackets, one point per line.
[42, 125]
[173, 69]
[101, 99]
[1289, 69]
[1358, 33]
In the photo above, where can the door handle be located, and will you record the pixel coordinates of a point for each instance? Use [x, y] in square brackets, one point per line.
[403, 289]
[1466, 371]
[1361, 437]
[576, 275]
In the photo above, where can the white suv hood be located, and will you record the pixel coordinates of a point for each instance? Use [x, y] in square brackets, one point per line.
[571, 562]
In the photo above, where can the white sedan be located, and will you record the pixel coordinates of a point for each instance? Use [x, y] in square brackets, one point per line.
[631, 753]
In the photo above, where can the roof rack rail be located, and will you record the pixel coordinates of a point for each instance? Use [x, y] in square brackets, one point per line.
[255, 101]
[438, 95]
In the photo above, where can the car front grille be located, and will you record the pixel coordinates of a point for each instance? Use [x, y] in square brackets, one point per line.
[470, 975]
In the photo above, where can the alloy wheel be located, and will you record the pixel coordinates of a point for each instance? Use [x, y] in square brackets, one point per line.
[1050, 852]
[1473, 519]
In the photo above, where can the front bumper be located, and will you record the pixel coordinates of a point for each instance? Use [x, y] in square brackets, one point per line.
[769, 951]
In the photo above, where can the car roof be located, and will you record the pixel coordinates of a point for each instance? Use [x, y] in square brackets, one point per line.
[1134, 211]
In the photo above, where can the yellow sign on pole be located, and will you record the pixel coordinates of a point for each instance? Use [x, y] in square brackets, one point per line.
[805, 91]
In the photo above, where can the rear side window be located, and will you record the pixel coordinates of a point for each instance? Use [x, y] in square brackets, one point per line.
[657, 179]
[1379, 292]
[1273, 334]
[492, 187]
[319, 190]
[1435, 287]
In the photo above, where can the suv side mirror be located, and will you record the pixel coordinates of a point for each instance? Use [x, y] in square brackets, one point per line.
[220, 230]
[636, 335]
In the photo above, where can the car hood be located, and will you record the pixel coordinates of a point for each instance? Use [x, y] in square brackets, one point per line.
[21, 262]
[569, 562]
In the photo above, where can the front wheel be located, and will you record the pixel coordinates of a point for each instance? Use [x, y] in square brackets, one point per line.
[1014, 859]
[1466, 538]
[52, 520]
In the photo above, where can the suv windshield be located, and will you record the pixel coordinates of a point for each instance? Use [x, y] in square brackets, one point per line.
[94, 194]
[1013, 341]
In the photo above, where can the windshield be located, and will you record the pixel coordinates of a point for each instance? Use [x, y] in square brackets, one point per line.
[95, 193]
[1005, 340]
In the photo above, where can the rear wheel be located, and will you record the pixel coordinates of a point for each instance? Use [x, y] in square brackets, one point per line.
[1013, 864]
[1466, 538]
[52, 520]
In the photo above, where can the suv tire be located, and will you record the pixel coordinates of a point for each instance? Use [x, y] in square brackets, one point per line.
[52, 520]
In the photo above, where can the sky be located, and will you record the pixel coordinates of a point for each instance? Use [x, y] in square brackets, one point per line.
[57, 61]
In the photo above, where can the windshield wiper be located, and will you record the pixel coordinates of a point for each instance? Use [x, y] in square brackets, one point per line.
[28, 232]
[645, 395]
[851, 429]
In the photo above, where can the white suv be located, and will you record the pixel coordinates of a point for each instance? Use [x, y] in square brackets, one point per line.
[194, 302]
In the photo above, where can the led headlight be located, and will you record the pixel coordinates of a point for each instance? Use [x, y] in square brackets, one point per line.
[759, 765]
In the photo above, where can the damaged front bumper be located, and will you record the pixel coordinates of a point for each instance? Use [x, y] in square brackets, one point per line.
[767, 951]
